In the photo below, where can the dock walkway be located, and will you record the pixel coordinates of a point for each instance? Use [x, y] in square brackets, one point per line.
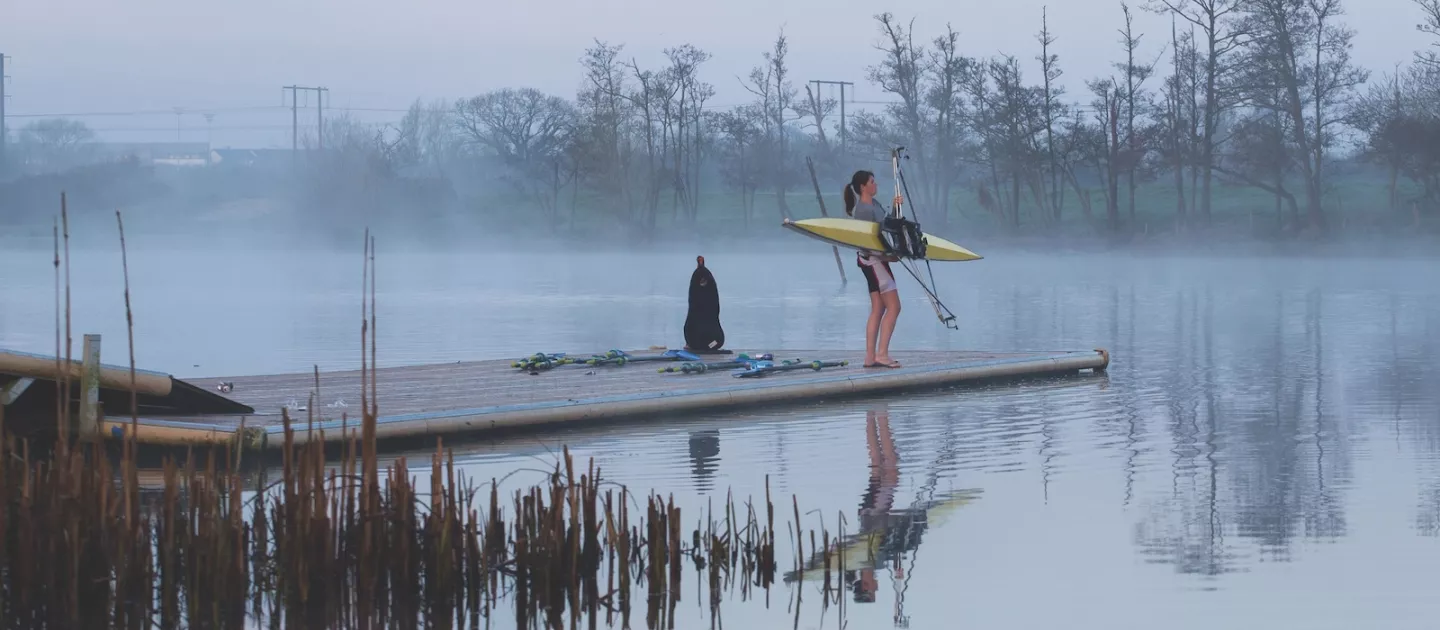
[467, 397]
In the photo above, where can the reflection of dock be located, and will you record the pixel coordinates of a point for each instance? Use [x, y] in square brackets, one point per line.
[466, 397]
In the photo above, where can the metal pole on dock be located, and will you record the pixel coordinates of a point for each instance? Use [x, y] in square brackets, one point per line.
[88, 423]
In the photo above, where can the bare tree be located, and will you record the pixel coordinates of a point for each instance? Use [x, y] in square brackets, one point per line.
[742, 135]
[1015, 120]
[54, 143]
[1376, 114]
[1225, 33]
[989, 146]
[901, 72]
[1052, 110]
[776, 100]
[526, 132]
[689, 96]
[945, 97]
[1134, 149]
[1400, 122]
[1177, 151]
[931, 115]
[1105, 150]
[1080, 143]
[818, 109]
[1431, 25]
[520, 126]
[604, 147]
[1260, 155]
[1298, 64]
[423, 138]
[652, 91]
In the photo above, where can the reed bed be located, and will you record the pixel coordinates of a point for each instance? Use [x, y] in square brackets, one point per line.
[349, 545]
[325, 547]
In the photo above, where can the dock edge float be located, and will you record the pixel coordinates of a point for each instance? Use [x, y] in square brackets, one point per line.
[115, 377]
[480, 419]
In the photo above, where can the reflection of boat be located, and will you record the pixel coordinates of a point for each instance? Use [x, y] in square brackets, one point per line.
[887, 535]
[874, 549]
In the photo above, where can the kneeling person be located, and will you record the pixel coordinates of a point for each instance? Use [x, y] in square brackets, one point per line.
[703, 333]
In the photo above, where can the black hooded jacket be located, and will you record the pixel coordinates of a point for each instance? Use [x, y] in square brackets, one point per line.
[702, 324]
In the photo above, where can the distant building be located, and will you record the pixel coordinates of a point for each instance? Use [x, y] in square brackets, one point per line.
[155, 153]
[251, 157]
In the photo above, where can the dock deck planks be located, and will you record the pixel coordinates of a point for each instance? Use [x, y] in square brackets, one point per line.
[478, 395]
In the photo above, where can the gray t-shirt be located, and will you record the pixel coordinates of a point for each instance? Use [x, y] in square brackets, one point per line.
[872, 211]
[869, 211]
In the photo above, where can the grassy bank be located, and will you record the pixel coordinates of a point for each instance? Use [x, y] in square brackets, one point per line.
[258, 204]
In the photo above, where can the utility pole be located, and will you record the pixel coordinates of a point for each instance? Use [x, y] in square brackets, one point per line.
[209, 136]
[295, 115]
[842, 85]
[320, 117]
[4, 131]
[294, 120]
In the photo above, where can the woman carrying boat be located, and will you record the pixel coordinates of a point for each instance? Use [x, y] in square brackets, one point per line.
[884, 295]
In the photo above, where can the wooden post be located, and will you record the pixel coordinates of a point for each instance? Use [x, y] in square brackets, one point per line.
[821, 198]
[88, 424]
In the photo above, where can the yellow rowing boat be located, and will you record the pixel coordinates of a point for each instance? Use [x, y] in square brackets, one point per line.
[865, 236]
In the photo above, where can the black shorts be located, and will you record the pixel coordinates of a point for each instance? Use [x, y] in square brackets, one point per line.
[878, 277]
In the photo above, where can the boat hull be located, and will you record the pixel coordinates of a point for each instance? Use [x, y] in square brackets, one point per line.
[864, 235]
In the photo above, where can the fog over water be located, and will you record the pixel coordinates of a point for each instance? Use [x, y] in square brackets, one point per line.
[1264, 451]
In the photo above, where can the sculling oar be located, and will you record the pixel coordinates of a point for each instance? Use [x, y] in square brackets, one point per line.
[620, 357]
[763, 370]
[693, 367]
[539, 360]
[701, 368]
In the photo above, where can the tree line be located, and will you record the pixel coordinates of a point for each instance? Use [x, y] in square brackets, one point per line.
[1261, 95]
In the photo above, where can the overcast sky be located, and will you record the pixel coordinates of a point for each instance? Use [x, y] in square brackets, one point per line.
[79, 56]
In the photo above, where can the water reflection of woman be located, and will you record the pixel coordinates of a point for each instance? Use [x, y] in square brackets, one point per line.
[875, 506]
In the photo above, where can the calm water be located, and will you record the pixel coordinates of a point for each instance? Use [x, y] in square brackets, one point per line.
[1264, 452]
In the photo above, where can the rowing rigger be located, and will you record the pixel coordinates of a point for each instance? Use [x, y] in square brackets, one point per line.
[905, 240]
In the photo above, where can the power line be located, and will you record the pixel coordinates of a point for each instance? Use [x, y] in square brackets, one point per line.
[1081, 111]
[208, 128]
[277, 108]
[146, 112]
[210, 112]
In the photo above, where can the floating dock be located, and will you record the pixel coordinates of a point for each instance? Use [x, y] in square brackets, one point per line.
[478, 396]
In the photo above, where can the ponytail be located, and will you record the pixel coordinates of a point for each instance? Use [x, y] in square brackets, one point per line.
[852, 190]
